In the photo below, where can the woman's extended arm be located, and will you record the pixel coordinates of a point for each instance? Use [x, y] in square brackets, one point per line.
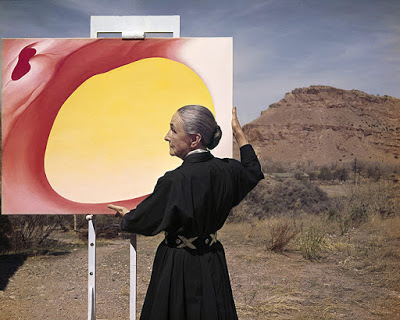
[248, 171]
[237, 130]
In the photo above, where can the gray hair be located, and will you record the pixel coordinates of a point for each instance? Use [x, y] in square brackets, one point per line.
[198, 119]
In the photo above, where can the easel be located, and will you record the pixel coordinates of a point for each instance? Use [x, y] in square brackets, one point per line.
[131, 28]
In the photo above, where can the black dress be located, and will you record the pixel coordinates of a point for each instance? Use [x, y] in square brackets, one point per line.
[194, 199]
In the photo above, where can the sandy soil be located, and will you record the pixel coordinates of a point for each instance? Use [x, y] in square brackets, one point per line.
[266, 285]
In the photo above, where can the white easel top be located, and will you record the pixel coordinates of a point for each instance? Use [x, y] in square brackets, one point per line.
[140, 25]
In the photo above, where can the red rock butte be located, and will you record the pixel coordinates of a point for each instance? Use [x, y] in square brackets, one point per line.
[325, 125]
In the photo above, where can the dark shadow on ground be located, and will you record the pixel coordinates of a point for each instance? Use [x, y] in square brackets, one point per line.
[10, 263]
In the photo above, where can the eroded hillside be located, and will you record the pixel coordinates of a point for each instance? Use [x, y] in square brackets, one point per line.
[322, 124]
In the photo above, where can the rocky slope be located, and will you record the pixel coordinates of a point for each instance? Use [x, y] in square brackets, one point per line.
[324, 125]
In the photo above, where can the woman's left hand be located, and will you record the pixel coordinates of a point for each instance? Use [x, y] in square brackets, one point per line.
[120, 211]
[237, 129]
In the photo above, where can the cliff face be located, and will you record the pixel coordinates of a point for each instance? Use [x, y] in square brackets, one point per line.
[326, 125]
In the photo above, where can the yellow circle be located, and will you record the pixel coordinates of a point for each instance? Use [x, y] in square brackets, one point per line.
[107, 141]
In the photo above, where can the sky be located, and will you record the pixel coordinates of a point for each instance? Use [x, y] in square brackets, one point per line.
[279, 45]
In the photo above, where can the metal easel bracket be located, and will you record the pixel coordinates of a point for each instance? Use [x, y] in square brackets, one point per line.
[135, 25]
[133, 35]
[91, 267]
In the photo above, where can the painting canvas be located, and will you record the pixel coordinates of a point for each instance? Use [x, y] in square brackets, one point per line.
[84, 120]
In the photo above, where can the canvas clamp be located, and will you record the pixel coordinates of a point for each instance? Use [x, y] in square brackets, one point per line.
[133, 35]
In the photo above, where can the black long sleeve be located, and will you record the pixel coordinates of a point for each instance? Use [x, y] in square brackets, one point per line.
[197, 196]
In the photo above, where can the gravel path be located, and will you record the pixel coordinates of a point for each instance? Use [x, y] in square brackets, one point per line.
[265, 285]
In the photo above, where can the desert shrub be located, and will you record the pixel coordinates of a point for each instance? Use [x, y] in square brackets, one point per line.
[311, 243]
[107, 227]
[252, 205]
[5, 232]
[30, 231]
[379, 198]
[363, 202]
[325, 174]
[337, 217]
[344, 223]
[294, 195]
[338, 214]
[382, 199]
[358, 214]
[332, 214]
[312, 176]
[282, 232]
[374, 170]
[269, 166]
[274, 197]
[374, 173]
[341, 174]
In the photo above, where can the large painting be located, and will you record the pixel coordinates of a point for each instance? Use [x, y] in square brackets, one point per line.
[84, 120]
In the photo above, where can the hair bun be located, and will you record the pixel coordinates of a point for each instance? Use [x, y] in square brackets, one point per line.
[215, 138]
[199, 119]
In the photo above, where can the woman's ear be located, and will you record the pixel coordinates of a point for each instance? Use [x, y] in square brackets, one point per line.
[196, 140]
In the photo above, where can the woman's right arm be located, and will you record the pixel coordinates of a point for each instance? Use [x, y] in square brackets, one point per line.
[153, 214]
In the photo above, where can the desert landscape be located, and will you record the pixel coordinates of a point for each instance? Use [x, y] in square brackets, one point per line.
[326, 125]
[318, 238]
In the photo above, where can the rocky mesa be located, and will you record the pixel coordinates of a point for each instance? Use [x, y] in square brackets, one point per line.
[327, 125]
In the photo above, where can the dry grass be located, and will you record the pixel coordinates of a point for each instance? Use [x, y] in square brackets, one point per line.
[312, 242]
[282, 232]
[356, 276]
[374, 249]
[274, 233]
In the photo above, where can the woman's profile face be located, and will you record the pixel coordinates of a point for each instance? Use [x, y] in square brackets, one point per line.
[179, 141]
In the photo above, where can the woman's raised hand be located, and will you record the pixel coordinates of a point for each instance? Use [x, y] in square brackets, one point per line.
[237, 129]
[120, 211]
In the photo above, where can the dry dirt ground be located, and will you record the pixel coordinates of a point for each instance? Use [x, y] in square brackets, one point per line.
[266, 285]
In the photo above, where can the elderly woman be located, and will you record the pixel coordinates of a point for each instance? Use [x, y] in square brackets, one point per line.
[190, 204]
